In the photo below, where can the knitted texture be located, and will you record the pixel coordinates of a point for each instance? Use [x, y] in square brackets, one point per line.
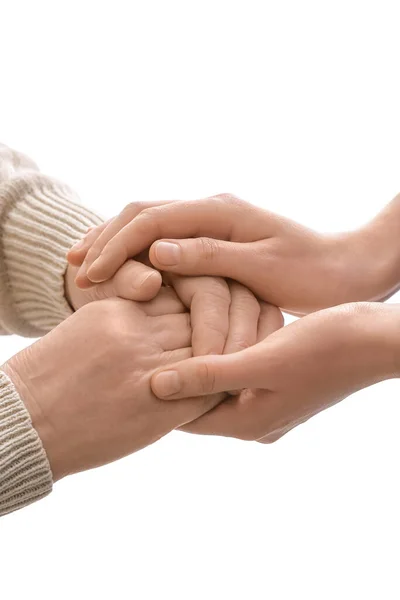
[40, 219]
[25, 474]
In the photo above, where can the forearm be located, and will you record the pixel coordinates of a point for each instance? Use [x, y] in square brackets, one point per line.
[40, 219]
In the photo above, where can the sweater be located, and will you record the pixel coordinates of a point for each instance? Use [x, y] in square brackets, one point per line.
[40, 219]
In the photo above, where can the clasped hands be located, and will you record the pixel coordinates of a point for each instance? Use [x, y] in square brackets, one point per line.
[207, 353]
[282, 376]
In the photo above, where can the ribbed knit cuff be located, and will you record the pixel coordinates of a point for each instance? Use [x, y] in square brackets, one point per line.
[40, 219]
[25, 473]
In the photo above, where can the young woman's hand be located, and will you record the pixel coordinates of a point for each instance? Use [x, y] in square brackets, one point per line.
[281, 261]
[221, 311]
[295, 373]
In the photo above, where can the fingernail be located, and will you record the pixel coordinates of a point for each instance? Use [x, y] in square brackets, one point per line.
[78, 245]
[166, 383]
[148, 285]
[146, 278]
[91, 272]
[168, 253]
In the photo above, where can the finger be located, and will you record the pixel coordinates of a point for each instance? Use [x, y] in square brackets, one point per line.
[271, 319]
[114, 226]
[165, 303]
[245, 417]
[243, 319]
[213, 374]
[193, 408]
[208, 299]
[222, 217]
[76, 254]
[197, 409]
[217, 421]
[171, 356]
[245, 263]
[133, 281]
[172, 332]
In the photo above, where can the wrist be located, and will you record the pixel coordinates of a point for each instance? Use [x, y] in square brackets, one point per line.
[371, 340]
[366, 265]
[20, 372]
[377, 248]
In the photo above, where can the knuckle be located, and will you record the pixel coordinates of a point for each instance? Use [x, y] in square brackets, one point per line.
[134, 208]
[106, 312]
[206, 377]
[93, 253]
[149, 212]
[97, 293]
[208, 339]
[228, 198]
[146, 218]
[241, 343]
[214, 288]
[207, 249]
[244, 299]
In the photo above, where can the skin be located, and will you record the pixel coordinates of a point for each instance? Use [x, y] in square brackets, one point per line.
[292, 375]
[282, 262]
[301, 369]
[207, 298]
[99, 406]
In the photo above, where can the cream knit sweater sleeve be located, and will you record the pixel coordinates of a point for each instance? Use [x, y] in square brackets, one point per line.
[40, 219]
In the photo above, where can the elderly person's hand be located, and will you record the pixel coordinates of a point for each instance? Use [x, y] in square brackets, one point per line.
[218, 326]
[87, 383]
[281, 261]
[295, 373]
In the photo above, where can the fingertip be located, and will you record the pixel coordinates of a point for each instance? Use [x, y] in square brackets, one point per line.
[76, 257]
[76, 254]
[165, 254]
[82, 282]
[166, 384]
[96, 272]
[149, 286]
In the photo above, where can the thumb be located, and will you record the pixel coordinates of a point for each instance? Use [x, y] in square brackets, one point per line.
[204, 256]
[212, 374]
[133, 281]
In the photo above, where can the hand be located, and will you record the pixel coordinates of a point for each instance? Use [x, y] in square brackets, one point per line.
[295, 373]
[136, 280]
[86, 384]
[133, 281]
[139, 271]
[211, 300]
[281, 261]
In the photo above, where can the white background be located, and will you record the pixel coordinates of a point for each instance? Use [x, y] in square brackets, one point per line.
[291, 105]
